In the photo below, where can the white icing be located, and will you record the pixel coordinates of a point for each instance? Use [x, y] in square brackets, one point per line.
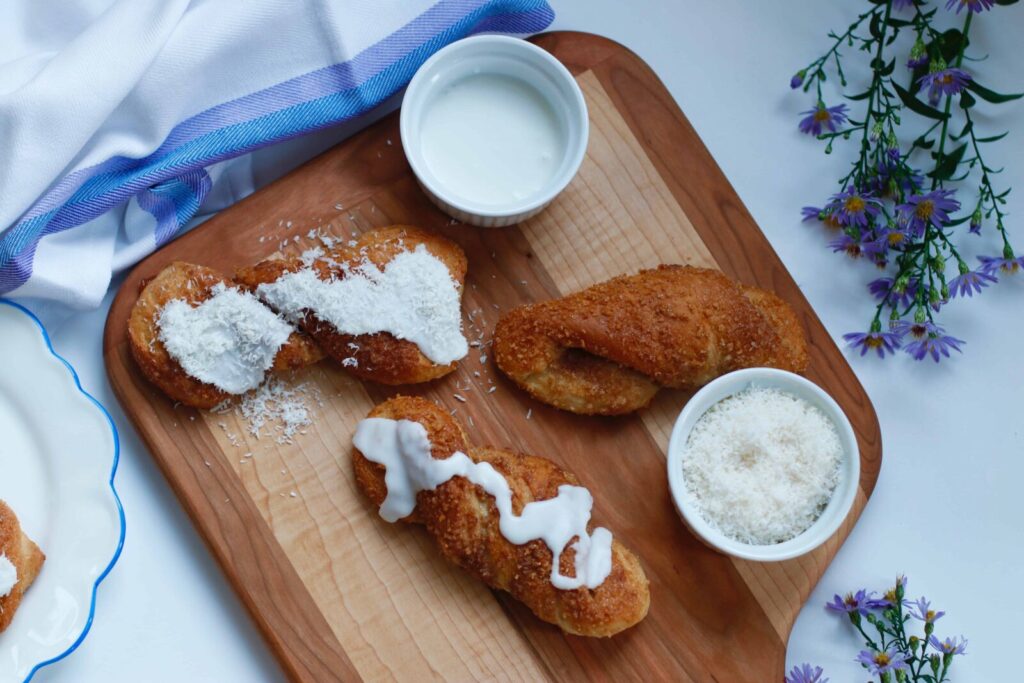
[8, 576]
[492, 139]
[229, 340]
[403, 448]
[413, 297]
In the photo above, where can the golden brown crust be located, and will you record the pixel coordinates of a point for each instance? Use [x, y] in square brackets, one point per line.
[26, 557]
[463, 520]
[378, 357]
[607, 349]
[194, 284]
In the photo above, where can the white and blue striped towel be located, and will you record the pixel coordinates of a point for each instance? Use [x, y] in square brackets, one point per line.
[116, 116]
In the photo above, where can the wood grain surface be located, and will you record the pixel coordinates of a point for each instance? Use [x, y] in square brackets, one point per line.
[339, 594]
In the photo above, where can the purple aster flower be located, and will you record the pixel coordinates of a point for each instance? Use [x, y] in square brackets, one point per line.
[882, 289]
[805, 673]
[882, 662]
[915, 330]
[949, 646]
[811, 213]
[880, 342]
[821, 116]
[970, 282]
[853, 602]
[848, 245]
[933, 207]
[924, 611]
[934, 343]
[1008, 265]
[971, 5]
[948, 81]
[853, 207]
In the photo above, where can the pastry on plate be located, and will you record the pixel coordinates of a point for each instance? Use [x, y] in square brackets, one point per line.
[201, 339]
[520, 523]
[20, 562]
[607, 350]
[386, 306]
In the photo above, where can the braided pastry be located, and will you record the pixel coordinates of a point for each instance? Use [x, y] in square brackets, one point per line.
[463, 518]
[607, 349]
[193, 284]
[18, 551]
[380, 356]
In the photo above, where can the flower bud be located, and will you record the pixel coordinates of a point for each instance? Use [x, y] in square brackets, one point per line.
[976, 220]
[855, 615]
[939, 263]
[914, 643]
[901, 583]
[934, 297]
[919, 315]
[963, 267]
[901, 675]
[918, 54]
[933, 662]
[884, 677]
[945, 292]
[899, 287]
[876, 131]
[893, 142]
[938, 65]
[798, 79]
[929, 628]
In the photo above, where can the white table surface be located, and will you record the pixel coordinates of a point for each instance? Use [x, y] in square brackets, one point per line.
[948, 503]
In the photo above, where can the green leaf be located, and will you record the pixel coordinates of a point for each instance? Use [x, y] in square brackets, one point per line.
[917, 106]
[949, 44]
[947, 163]
[968, 127]
[860, 96]
[1006, 2]
[876, 26]
[898, 23]
[990, 95]
[966, 101]
[993, 138]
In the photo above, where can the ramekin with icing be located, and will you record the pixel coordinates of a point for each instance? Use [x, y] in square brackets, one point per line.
[494, 128]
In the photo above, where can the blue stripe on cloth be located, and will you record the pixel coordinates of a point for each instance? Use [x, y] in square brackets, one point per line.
[173, 202]
[301, 105]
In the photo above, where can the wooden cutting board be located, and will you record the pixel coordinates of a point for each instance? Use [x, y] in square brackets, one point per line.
[341, 595]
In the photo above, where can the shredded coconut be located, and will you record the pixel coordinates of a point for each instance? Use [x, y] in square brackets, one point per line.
[413, 297]
[229, 340]
[282, 408]
[762, 465]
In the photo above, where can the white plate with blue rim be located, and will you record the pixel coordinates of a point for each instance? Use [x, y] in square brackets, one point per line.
[58, 456]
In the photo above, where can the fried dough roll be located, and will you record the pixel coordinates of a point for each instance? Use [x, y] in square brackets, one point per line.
[379, 357]
[194, 284]
[26, 557]
[608, 349]
[463, 520]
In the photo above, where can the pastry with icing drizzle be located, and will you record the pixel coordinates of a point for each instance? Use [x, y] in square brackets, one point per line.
[520, 523]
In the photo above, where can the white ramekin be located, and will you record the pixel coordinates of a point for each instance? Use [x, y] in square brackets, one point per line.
[842, 498]
[509, 57]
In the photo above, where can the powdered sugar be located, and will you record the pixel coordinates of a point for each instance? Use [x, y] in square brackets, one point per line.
[229, 340]
[413, 297]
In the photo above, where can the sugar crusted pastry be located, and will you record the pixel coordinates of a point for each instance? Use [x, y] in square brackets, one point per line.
[380, 356]
[607, 349]
[17, 549]
[194, 284]
[463, 519]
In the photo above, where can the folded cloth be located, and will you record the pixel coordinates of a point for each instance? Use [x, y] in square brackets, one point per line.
[117, 116]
